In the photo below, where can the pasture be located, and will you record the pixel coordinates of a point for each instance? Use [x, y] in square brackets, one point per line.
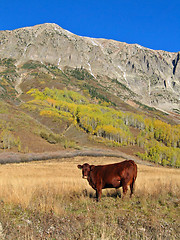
[50, 200]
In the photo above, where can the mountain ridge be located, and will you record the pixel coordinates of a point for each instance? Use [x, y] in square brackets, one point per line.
[153, 75]
[101, 38]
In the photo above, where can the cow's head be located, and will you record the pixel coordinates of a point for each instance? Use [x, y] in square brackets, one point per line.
[86, 169]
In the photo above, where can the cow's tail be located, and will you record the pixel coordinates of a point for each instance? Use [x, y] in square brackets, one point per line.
[135, 170]
[133, 177]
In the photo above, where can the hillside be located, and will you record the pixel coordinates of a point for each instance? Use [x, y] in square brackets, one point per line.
[53, 119]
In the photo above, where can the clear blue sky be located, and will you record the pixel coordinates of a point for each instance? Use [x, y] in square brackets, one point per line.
[154, 24]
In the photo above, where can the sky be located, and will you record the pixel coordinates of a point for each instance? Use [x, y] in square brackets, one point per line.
[153, 24]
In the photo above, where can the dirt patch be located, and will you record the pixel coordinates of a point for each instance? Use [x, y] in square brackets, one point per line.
[131, 150]
[36, 144]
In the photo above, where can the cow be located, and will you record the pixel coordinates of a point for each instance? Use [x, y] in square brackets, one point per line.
[114, 175]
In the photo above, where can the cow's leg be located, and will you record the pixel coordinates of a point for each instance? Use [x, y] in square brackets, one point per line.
[132, 188]
[125, 188]
[98, 194]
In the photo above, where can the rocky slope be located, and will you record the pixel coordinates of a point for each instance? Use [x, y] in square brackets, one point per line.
[154, 76]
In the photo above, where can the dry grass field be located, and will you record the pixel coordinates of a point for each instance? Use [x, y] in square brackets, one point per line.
[50, 200]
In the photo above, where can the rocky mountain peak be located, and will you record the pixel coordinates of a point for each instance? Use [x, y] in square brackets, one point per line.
[152, 75]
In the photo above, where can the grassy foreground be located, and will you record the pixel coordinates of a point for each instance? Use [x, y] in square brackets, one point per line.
[50, 200]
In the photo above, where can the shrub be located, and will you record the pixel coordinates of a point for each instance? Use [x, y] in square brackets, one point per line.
[31, 65]
[51, 137]
[8, 140]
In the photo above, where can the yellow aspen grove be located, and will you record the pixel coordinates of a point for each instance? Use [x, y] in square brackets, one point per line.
[159, 140]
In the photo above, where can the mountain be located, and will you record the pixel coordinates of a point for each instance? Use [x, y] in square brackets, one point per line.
[60, 91]
[147, 76]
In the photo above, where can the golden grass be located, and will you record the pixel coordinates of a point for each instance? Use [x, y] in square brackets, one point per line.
[48, 181]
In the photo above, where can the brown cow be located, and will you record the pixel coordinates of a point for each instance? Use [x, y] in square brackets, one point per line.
[110, 176]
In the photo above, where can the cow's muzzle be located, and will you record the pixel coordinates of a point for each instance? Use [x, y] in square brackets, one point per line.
[85, 177]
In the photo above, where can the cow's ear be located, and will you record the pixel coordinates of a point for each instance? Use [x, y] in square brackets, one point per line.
[92, 167]
[79, 166]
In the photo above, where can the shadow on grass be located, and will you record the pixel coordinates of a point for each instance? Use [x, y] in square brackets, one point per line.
[92, 195]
